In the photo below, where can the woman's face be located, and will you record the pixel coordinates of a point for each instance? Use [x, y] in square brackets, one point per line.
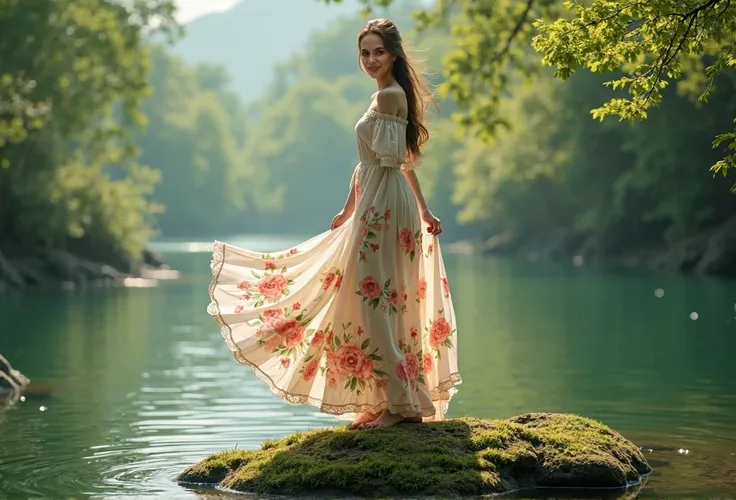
[376, 60]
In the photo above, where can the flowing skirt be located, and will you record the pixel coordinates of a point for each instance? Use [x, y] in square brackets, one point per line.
[359, 318]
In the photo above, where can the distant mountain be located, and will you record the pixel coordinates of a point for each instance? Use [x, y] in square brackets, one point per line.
[255, 35]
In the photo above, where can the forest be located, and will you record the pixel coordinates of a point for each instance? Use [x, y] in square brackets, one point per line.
[598, 130]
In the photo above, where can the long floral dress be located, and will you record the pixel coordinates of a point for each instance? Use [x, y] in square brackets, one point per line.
[359, 318]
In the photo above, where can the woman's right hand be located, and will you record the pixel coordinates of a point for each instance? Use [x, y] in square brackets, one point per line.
[340, 219]
[434, 226]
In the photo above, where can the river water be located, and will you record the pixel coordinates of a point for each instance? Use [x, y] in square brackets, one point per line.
[142, 385]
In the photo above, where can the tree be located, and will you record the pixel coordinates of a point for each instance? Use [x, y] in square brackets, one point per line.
[650, 43]
[647, 43]
[196, 133]
[72, 79]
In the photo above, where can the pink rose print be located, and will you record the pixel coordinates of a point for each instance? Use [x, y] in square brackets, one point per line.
[351, 360]
[329, 278]
[374, 223]
[409, 369]
[350, 365]
[331, 380]
[310, 371]
[397, 299]
[332, 371]
[318, 337]
[428, 362]
[285, 362]
[422, 290]
[357, 189]
[244, 285]
[293, 251]
[430, 249]
[401, 371]
[272, 287]
[238, 309]
[273, 313]
[273, 343]
[406, 240]
[282, 326]
[370, 288]
[384, 297]
[412, 366]
[446, 286]
[439, 332]
[289, 327]
[295, 336]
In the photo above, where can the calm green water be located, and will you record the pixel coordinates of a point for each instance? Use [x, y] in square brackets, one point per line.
[144, 386]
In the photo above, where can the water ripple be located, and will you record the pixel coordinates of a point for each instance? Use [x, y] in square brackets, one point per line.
[138, 398]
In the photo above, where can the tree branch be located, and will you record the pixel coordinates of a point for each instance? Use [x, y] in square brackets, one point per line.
[515, 32]
[668, 58]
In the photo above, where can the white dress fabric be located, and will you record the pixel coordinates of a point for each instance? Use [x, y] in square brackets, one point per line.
[359, 318]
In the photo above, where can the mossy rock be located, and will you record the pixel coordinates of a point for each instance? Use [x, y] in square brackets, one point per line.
[456, 457]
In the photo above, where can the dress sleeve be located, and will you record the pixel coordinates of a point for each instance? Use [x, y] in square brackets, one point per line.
[389, 142]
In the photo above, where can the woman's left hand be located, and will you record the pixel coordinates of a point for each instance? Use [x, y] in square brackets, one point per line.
[340, 219]
[435, 226]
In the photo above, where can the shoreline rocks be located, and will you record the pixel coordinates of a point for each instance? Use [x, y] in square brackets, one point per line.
[61, 270]
[711, 253]
[456, 457]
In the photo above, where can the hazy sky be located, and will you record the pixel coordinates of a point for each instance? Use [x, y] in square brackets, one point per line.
[189, 9]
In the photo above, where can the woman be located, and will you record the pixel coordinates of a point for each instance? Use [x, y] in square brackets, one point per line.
[358, 320]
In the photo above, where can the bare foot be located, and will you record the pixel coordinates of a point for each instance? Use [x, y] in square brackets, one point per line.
[363, 418]
[387, 419]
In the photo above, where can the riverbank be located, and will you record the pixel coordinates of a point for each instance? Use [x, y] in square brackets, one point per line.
[36, 269]
[709, 253]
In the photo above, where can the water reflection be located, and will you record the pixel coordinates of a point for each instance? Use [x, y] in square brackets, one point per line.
[143, 385]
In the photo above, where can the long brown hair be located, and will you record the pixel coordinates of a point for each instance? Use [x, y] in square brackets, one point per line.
[418, 93]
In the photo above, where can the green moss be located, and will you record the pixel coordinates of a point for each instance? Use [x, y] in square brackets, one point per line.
[456, 457]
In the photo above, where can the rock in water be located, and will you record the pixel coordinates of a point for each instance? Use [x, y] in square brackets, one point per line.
[456, 457]
[10, 378]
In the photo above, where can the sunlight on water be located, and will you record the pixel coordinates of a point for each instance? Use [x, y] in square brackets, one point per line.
[142, 385]
[259, 243]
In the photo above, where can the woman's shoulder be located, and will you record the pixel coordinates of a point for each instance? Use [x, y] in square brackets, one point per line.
[392, 101]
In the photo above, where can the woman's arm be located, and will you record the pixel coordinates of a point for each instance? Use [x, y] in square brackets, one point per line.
[433, 222]
[349, 206]
[411, 176]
